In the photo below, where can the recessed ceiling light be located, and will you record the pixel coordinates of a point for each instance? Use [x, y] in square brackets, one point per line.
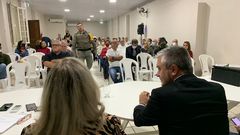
[102, 11]
[88, 19]
[101, 22]
[112, 1]
[62, 0]
[91, 16]
[67, 10]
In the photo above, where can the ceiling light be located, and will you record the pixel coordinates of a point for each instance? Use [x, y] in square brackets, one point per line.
[91, 16]
[88, 19]
[112, 1]
[101, 22]
[62, 0]
[102, 11]
[67, 10]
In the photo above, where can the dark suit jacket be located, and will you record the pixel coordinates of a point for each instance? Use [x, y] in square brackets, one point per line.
[129, 52]
[187, 106]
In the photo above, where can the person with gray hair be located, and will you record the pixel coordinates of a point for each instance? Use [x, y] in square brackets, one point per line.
[185, 104]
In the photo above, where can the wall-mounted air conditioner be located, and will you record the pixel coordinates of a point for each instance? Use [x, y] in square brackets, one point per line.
[71, 24]
[52, 20]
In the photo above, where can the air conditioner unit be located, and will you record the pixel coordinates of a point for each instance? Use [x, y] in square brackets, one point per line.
[71, 24]
[51, 20]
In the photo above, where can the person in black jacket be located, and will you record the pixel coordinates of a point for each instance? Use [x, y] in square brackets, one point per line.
[185, 104]
[133, 50]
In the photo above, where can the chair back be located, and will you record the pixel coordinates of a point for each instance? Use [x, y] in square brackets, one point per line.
[206, 63]
[31, 51]
[39, 55]
[153, 68]
[193, 64]
[21, 73]
[14, 56]
[142, 59]
[129, 69]
[35, 65]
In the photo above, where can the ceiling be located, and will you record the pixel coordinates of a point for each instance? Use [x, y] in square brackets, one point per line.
[82, 9]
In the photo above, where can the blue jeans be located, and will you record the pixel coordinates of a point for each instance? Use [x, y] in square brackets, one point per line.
[3, 72]
[113, 73]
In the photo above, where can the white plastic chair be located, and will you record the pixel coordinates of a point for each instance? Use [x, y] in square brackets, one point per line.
[35, 68]
[142, 59]
[39, 55]
[3, 83]
[206, 63]
[14, 56]
[43, 70]
[31, 51]
[21, 73]
[193, 62]
[153, 67]
[129, 68]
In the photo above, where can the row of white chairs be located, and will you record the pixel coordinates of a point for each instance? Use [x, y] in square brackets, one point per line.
[24, 70]
[147, 64]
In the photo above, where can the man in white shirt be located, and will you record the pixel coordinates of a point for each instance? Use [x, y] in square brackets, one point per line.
[114, 57]
[122, 48]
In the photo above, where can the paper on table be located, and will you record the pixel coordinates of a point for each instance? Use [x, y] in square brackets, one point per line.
[9, 120]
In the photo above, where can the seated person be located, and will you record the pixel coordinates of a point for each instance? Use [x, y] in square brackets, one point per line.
[114, 57]
[162, 43]
[21, 49]
[66, 48]
[4, 61]
[43, 48]
[133, 50]
[104, 61]
[71, 104]
[49, 60]
[185, 104]
[187, 46]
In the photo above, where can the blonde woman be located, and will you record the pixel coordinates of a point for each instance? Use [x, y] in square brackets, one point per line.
[71, 104]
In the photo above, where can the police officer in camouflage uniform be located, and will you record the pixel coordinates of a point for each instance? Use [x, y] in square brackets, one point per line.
[81, 45]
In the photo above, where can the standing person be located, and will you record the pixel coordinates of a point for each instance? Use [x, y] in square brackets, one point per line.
[71, 104]
[81, 45]
[185, 104]
[187, 46]
[4, 61]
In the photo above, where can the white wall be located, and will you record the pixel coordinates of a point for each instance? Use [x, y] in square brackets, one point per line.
[168, 18]
[214, 31]
[5, 38]
[97, 29]
[224, 31]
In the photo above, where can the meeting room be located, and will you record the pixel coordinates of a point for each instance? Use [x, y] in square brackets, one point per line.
[119, 67]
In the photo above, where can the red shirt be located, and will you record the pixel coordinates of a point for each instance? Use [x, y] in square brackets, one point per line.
[44, 50]
[104, 52]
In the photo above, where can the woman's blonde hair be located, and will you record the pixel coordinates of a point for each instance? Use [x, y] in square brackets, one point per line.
[70, 101]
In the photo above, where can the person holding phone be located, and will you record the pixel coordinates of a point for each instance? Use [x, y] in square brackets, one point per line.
[71, 104]
[236, 122]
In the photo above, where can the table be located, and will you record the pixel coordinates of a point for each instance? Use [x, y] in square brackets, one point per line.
[123, 97]
[21, 97]
[119, 99]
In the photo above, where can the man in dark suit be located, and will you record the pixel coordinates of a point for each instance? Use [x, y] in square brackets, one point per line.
[133, 50]
[185, 104]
